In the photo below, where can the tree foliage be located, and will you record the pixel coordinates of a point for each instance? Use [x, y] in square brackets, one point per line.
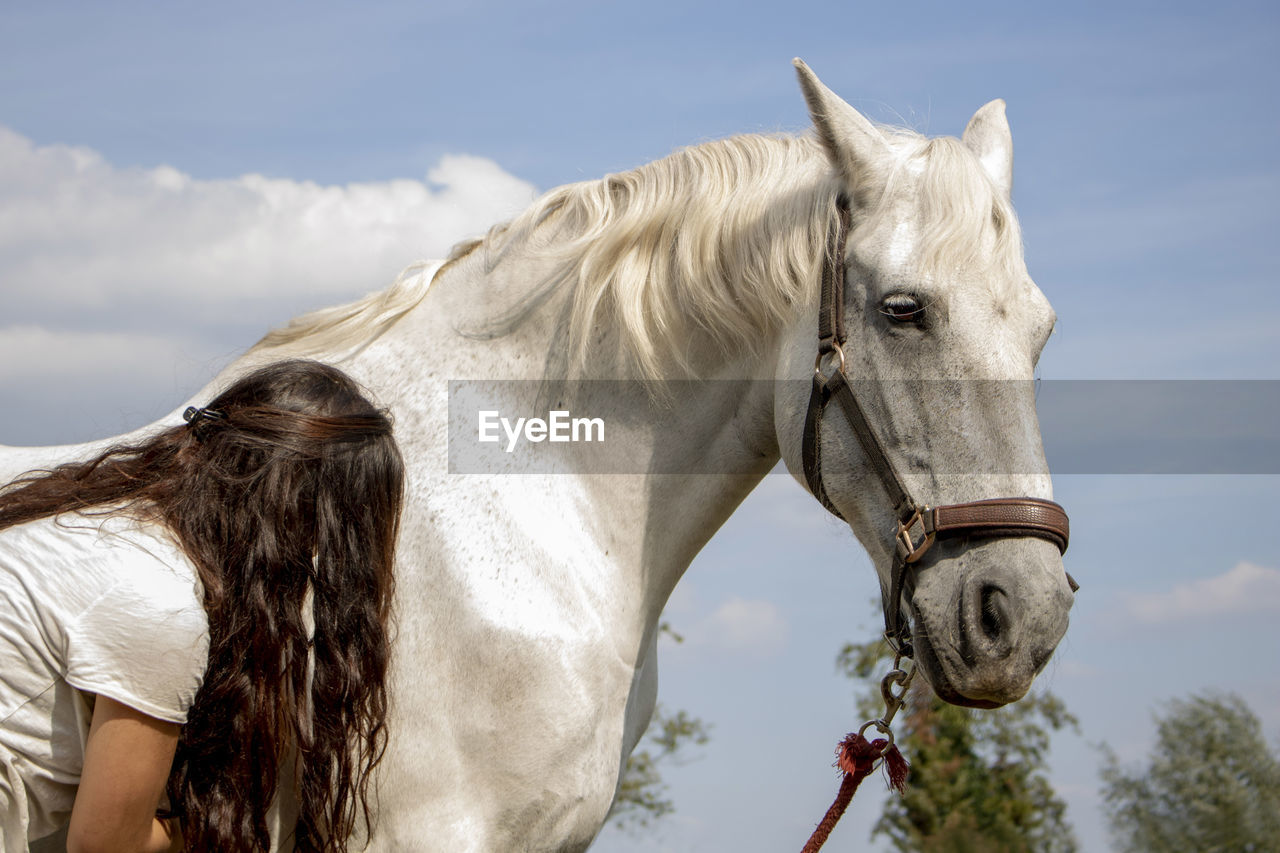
[1212, 783]
[978, 779]
[642, 795]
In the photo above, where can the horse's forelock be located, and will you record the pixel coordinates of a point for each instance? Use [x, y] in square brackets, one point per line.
[965, 221]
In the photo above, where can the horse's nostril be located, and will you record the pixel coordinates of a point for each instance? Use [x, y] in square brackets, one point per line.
[995, 614]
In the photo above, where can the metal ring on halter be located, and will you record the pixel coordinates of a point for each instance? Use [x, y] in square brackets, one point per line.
[817, 362]
[883, 728]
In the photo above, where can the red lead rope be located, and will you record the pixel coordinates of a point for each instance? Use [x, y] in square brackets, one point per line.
[857, 757]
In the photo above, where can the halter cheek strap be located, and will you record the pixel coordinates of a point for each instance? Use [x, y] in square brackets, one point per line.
[918, 526]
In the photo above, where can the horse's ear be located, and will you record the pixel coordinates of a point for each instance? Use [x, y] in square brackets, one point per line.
[988, 137]
[852, 143]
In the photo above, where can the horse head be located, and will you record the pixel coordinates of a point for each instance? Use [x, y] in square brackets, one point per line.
[943, 329]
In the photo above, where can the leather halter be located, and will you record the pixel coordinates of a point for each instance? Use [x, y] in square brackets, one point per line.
[919, 526]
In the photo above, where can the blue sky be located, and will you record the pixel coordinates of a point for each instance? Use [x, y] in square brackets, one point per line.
[176, 179]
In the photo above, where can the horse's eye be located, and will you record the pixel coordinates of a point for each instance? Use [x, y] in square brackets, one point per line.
[903, 308]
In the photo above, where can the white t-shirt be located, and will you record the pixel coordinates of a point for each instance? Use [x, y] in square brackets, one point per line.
[87, 606]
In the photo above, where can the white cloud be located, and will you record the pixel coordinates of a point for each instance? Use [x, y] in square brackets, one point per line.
[32, 355]
[741, 625]
[1247, 588]
[78, 232]
[125, 288]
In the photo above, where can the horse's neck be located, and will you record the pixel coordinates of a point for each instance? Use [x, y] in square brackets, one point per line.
[687, 456]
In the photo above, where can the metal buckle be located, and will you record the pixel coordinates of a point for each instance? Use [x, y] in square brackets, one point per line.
[911, 551]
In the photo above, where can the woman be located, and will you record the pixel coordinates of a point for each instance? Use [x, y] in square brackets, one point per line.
[181, 615]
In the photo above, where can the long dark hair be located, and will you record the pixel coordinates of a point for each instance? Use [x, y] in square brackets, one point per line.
[284, 490]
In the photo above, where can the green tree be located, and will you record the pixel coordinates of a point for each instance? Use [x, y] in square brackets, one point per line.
[1212, 783]
[977, 782]
[641, 796]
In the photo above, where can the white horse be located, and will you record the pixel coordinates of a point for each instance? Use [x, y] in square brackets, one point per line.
[528, 603]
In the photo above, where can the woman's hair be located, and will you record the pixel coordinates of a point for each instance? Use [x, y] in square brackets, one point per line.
[285, 493]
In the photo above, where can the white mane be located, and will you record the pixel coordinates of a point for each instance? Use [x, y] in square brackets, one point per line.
[715, 243]
[962, 214]
[346, 328]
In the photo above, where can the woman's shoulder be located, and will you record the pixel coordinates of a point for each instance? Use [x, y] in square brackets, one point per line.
[145, 640]
[67, 568]
[115, 602]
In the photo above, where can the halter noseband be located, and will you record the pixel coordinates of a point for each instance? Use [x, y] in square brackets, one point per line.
[919, 526]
